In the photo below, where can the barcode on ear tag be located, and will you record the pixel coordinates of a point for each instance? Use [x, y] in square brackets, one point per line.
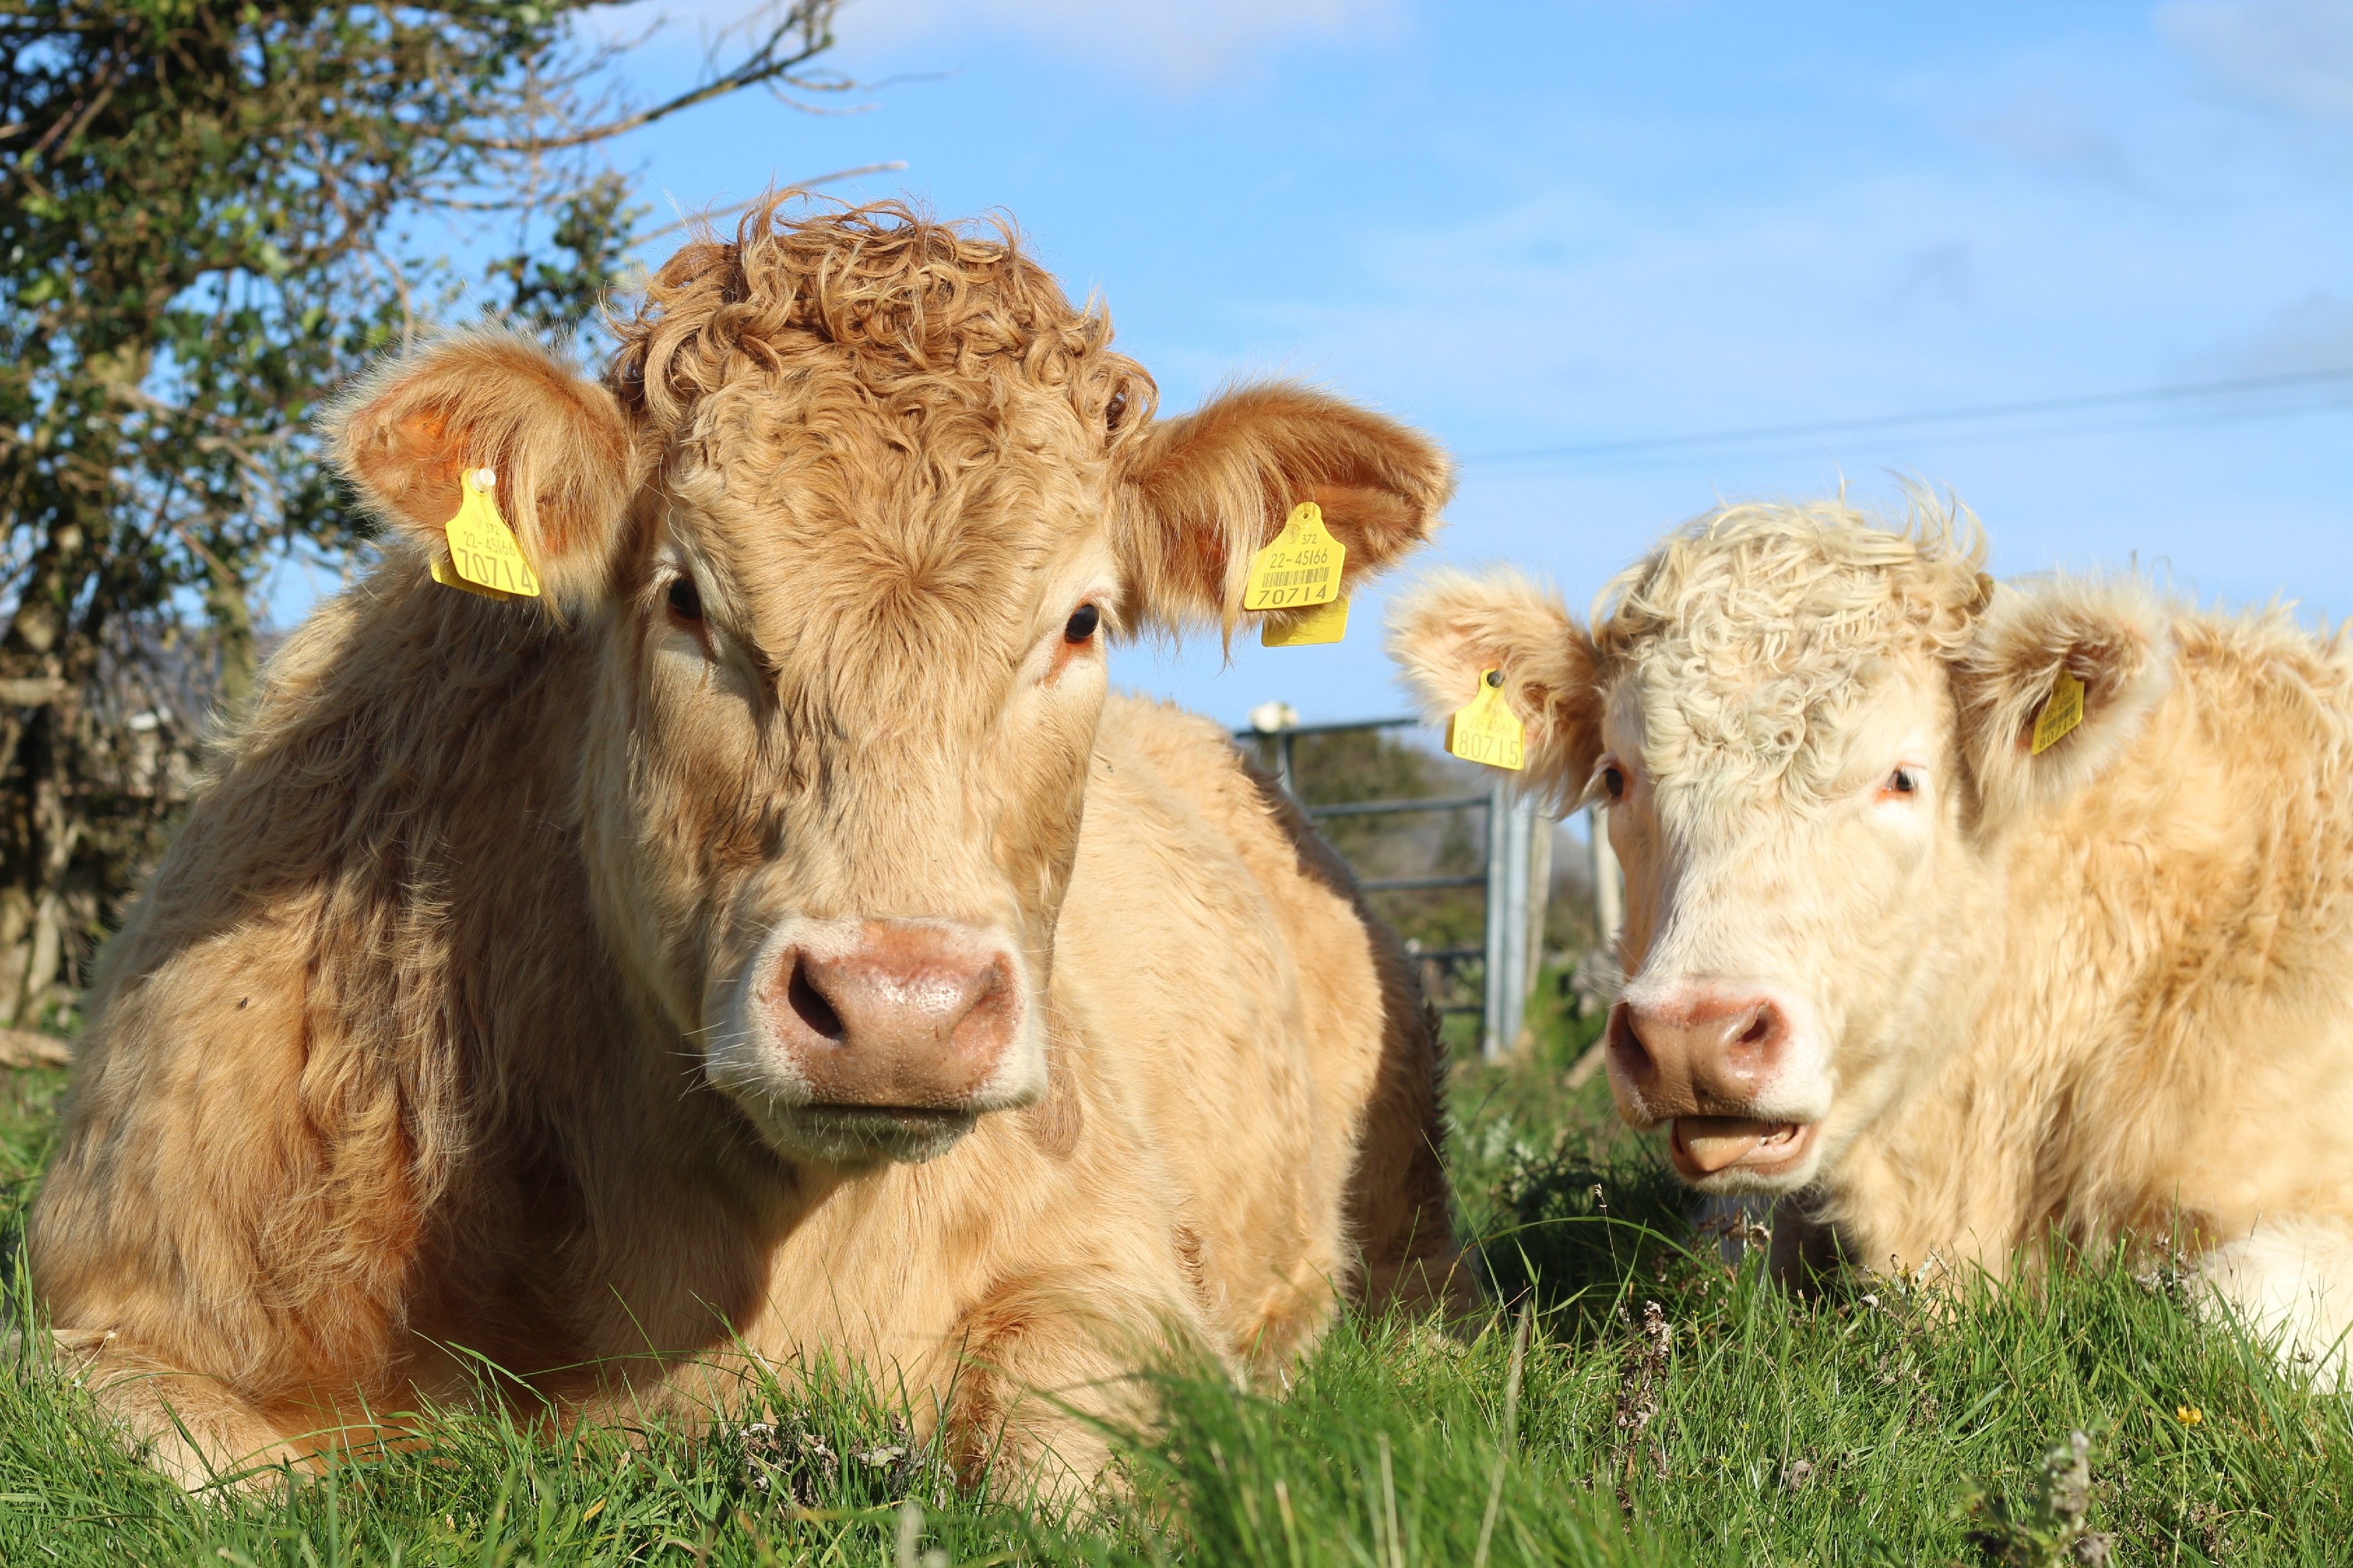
[2061, 712]
[1486, 730]
[1325, 623]
[1301, 567]
[483, 556]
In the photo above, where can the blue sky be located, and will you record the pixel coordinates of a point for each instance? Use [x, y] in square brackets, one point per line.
[1529, 228]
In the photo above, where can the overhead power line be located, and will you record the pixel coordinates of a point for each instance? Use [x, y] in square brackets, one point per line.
[2187, 390]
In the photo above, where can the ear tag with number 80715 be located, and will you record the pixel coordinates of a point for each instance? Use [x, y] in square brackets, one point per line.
[2061, 712]
[1300, 568]
[484, 556]
[1487, 731]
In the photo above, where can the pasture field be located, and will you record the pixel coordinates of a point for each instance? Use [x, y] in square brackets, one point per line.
[1669, 1407]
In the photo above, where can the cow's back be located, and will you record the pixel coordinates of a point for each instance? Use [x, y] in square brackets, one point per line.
[2165, 1041]
[2211, 880]
[1265, 1026]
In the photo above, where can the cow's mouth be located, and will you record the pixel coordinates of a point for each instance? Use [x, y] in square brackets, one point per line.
[1704, 1146]
[859, 1134]
[911, 1116]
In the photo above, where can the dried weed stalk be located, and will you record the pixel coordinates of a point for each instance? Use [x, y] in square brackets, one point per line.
[1651, 1346]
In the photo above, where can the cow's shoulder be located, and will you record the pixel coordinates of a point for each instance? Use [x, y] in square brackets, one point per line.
[1171, 738]
[1184, 820]
[1195, 760]
[1283, 901]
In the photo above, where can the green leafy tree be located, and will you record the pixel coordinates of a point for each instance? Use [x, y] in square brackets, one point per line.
[203, 210]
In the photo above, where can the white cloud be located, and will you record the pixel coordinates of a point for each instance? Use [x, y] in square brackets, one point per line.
[1181, 44]
[2061, 128]
[2295, 55]
[2315, 332]
[1945, 272]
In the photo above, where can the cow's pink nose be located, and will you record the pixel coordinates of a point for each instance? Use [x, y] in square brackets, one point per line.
[906, 1015]
[1704, 1054]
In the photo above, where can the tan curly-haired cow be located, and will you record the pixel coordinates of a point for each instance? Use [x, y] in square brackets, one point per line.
[1967, 997]
[773, 943]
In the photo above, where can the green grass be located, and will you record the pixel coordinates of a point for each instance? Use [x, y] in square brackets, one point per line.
[1740, 1425]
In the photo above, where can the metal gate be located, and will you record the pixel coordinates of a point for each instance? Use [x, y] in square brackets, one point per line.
[1515, 886]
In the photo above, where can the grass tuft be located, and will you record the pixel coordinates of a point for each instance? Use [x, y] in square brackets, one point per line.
[1635, 1399]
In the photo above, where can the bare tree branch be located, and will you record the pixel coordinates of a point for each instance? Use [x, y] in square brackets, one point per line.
[810, 21]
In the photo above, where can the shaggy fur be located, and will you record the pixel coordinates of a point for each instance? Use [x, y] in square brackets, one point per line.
[2102, 992]
[404, 1059]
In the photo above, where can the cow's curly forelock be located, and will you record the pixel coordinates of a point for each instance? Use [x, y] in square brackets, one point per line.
[880, 289]
[1752, 628]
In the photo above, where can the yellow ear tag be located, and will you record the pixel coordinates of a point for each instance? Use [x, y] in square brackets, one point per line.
[1488, 731]
[1302, 567]
[1325, 623]
[484, 556]
[2061, 713]
[449, 579]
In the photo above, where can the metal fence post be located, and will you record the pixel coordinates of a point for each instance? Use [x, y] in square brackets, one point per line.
[1513, 913]
[1511, 835]
[1490, 1028]
[1540, 847]
[1276, 722]
[1519, 847]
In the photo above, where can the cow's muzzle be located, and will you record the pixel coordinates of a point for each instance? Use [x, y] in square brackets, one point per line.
[882, 1040]
[1707, 1061]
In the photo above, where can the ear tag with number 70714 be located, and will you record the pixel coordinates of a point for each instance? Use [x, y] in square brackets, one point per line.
[1486, 730]
[484, 556]
[1325, 623]
[1300, 568]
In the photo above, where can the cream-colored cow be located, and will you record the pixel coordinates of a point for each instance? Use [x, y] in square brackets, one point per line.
[773, 943]
[1962, 995]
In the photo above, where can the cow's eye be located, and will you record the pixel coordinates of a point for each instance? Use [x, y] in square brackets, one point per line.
[685, 599]
[1614, 782]
[1903, 780]
[1081, 624]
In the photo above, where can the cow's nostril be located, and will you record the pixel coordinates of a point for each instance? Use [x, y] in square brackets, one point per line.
[812, 1007]
[1626, 1043]
[1760, 1028]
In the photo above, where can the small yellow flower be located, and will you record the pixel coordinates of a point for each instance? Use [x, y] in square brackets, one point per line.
[2189, 1414]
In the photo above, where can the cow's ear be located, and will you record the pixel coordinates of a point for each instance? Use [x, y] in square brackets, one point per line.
[558, 445]
[1449, 627]
[2016, 674]
[1200, 495]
